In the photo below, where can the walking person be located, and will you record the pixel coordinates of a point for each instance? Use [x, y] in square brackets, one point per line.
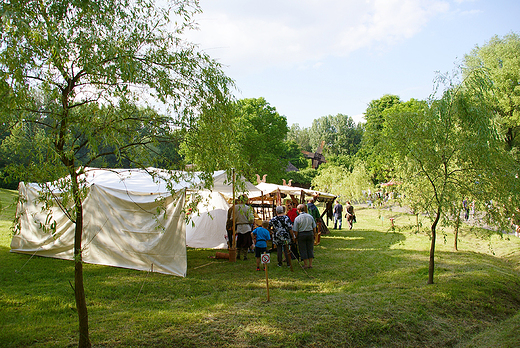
[304, 228]
[350, 215]
[338, 213]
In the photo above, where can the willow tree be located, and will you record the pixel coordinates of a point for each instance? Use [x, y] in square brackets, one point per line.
[72, 74]
[501, 57]
[450, 146]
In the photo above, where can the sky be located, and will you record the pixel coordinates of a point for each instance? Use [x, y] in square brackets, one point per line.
[314, 58]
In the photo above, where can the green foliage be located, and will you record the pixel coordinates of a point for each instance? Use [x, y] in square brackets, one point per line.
[371, 147]
[259, 137]
[346, 184]
[345, 161]
[294, 155]
[501, 58]
[300, 136]
[341, 135]
[71, 76]
[302, 178]
[366, 289]
[448, 148]
[214, 137]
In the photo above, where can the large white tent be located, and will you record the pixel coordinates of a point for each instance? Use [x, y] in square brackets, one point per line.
[122, 226]
[207, 228]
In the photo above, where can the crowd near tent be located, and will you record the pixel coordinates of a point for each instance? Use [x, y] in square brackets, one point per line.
[131, 220]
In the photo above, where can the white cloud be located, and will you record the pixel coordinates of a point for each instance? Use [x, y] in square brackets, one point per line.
[256, 35]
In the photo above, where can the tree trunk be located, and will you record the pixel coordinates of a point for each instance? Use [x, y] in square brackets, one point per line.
[431, 267]
[79, 290]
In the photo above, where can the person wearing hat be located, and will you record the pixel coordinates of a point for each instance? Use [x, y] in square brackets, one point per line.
[282, 230]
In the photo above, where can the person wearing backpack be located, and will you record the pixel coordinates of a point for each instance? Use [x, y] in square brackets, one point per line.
[350, 215]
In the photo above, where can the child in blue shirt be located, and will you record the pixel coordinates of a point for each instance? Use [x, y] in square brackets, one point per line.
[260, 237]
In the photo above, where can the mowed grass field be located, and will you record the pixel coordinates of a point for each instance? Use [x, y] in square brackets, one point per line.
[367, 288]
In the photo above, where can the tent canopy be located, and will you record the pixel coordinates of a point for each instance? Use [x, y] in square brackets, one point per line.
[122, 226]
[267, 189]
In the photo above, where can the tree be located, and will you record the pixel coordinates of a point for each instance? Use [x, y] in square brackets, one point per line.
[300, 136]
[446, 147]
[260, 134]
[501, 57]
[71, 74]
[370, 151]
[341, 134]
[294, 155]
[345, 183]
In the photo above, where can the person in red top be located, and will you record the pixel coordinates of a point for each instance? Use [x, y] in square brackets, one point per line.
[292, 213]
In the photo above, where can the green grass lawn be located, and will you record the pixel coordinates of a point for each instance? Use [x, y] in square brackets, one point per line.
[367, 288]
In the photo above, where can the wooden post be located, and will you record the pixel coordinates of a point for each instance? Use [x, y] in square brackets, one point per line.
[266, 281]
[263, 208]
[233, 250]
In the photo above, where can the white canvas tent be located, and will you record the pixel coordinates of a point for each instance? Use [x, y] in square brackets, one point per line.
[121, 225]
[207, 228]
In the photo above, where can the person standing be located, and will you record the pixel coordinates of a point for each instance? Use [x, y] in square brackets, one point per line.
[350, 215]
[260, 235]
[244, 218]
[304, 228]
[338, 213]
[315, 213]
[313, 210]
[292, 213]
[465, 206]
[282, 226]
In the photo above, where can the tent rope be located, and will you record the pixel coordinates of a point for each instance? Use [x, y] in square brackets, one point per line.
[142, 286]
[95, 235]
[297, 260]
[26, 262]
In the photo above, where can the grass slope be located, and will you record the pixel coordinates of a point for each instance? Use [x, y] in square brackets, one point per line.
[367, 289]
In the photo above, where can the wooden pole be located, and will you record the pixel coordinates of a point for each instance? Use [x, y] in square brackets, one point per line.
[266, 281]
[263, 208]
[233, 213]
[233, 250]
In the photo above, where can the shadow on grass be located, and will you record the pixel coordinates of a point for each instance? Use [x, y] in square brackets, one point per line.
[364, 290]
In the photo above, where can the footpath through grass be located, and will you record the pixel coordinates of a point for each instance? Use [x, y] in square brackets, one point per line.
[367, 289]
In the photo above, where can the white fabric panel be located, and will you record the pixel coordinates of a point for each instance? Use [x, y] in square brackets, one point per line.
[32, 237]
[121, 229]
[129, 232]
[207, 228]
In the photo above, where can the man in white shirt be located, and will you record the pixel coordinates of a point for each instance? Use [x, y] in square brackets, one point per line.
[304, 228]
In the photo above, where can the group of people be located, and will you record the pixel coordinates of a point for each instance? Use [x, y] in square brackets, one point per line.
[293, 232]
[338, 215]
